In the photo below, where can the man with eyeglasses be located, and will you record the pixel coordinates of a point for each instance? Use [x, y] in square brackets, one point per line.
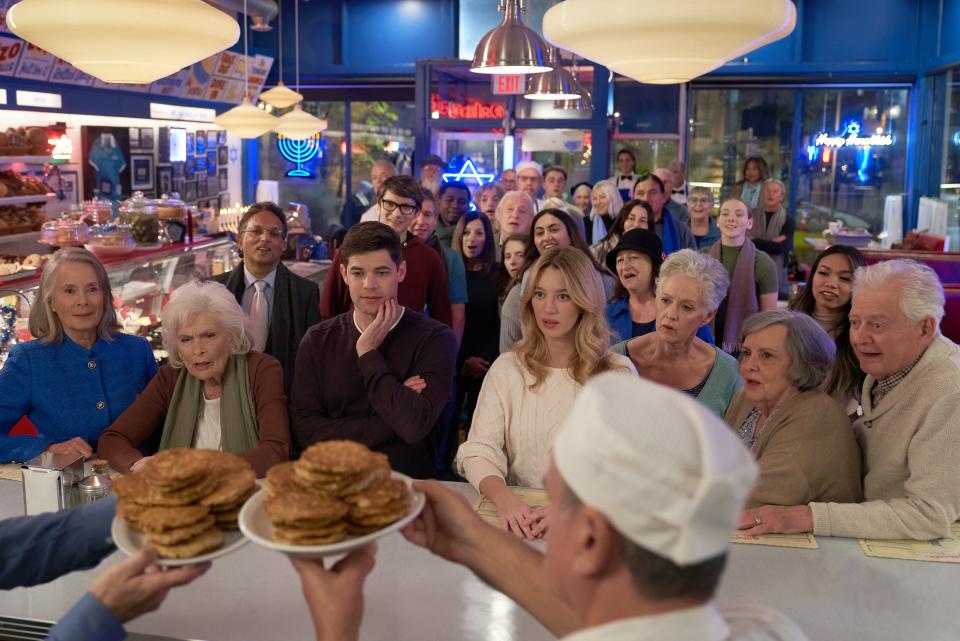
[425, 287]
[280, 305]
[454, 202]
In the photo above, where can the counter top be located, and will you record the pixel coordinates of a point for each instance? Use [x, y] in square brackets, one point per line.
[835, 593]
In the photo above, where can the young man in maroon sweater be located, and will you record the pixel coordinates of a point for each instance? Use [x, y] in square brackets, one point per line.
[381, 373]
[425, 285]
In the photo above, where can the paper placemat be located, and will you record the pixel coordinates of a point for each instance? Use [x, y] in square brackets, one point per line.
[487, 509]
[803, 540]
[11, 472]
[940, 551]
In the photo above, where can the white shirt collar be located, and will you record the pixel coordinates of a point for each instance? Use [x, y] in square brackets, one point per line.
[403, 310]
[702, 623]
[250, 279]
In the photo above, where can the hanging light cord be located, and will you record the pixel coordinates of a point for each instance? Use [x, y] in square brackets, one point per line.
[246, 58]
[280, 30]
[296, 37]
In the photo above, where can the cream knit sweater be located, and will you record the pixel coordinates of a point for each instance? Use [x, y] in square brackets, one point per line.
[513, 427]
[911, 456]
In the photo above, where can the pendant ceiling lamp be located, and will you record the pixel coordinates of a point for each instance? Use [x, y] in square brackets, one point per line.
[511, 47]
[246, 120]
[127, 41]
[556, 84]
[297, 124]
[583, 102]
[667, 42]
[281, 96]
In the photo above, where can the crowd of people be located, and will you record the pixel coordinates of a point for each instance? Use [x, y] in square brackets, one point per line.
[475, 334]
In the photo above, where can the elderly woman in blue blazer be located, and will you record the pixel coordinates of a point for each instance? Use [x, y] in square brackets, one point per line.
[80, 373]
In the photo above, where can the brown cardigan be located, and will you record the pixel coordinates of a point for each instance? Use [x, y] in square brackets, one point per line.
[808, 452]
[120, 442]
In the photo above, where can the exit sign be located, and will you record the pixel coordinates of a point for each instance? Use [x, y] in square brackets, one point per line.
[509, 85]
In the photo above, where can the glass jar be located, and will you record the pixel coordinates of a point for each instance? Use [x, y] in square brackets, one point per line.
[141, 214]
[64, 232]
[98, 211]
[111, 240]
[170, 207]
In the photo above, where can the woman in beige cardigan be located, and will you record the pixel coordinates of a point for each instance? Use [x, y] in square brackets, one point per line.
[801, 438]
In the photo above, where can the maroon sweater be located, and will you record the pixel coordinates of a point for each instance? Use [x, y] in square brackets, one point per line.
[424, 286]
[338, 395]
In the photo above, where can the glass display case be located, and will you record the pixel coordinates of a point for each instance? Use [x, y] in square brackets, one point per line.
[141, 283]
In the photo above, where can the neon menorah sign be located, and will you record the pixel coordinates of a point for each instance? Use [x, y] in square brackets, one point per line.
[300, 152]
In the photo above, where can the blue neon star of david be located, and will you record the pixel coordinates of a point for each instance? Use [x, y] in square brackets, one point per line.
[468, 171]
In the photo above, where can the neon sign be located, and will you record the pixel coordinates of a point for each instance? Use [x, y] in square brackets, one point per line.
[850, 137]
[62, 149]
[468, 172]
[300, 152]
[473, 108]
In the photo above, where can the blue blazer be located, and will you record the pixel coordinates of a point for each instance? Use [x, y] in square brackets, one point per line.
[67, 390]
[621, 327]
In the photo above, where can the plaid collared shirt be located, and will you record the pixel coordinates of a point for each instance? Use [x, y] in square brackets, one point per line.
[885, 385]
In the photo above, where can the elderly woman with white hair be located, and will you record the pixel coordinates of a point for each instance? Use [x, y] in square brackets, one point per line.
[773, 228]
[801, 438]
[215, 394]
[80, 373]
[606, 202]
[689, 289]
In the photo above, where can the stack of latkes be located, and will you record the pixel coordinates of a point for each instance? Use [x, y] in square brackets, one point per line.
[335, 488]
[183, 498]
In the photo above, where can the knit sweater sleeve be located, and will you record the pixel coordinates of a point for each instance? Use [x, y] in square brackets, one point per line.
[15, 402]
[932, 488]
[118, 444]
[485, 452]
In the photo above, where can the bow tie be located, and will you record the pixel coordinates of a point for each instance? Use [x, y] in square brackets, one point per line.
[626, 177]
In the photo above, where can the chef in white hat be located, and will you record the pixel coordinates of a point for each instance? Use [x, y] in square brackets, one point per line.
[645, 487]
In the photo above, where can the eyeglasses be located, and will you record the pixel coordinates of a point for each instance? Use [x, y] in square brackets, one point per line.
[272, 232]
[390, 206]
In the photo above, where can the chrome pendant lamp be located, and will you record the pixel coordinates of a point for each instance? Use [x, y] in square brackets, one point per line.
[297, 124]
[281, 96]
[511, 47]
[556, 84]
[125, 41]
[246, 120]
[681, 40]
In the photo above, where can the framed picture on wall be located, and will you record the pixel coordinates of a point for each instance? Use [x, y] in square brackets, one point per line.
[213, 184]
[68, 190]
[201, 143]
[212, 137]
[164, 180]
[190, 167]
[211, 160]
[222, 137]
[106, 161]
[177, 186]
[141, 172]
[222, 175]
[190, 145]
[134, 138]
[189, 193]
[223, 156]
[201, 184]
[146, 138]
[178, 171]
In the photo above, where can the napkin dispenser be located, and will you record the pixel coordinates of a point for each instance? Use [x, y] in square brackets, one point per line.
[50, 482]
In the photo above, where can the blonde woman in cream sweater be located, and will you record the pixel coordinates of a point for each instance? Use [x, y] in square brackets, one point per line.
[529, 391]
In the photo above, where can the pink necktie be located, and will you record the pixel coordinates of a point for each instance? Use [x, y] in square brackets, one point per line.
[259, 316]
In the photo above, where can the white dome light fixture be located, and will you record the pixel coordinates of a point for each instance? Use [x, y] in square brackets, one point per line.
[297, 124]
[125, 41]
[281, 96]
[246, 120]
[667, 43]
[556, 84]
[511, 47]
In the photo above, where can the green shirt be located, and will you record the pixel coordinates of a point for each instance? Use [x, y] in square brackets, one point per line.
[764, 269]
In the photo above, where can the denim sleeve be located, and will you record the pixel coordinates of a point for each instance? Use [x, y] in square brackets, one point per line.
[88, 620]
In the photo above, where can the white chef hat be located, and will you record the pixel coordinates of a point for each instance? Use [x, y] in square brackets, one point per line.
[529, 164]
[667, 473]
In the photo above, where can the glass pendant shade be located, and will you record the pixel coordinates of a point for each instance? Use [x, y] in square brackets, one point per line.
[667, 43]
[510, 48]
[246, 120]
[281, 96]
[556, 84]
[297, 124]
[125, 41]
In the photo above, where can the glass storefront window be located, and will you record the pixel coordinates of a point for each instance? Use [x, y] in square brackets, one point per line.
[380, 130]
[837, 180]
[322, 190]
[950, 172]
[567, 148]
[650, 153]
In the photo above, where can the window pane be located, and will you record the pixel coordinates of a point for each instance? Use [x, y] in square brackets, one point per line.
[950, 177]
[838, 180]
[380, 131]
[322, 189]
[646, 109]
[567, 148]
[650, 154]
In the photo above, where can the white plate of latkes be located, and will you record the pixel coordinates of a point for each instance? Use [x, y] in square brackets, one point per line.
[256, 525]
[129, 541]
